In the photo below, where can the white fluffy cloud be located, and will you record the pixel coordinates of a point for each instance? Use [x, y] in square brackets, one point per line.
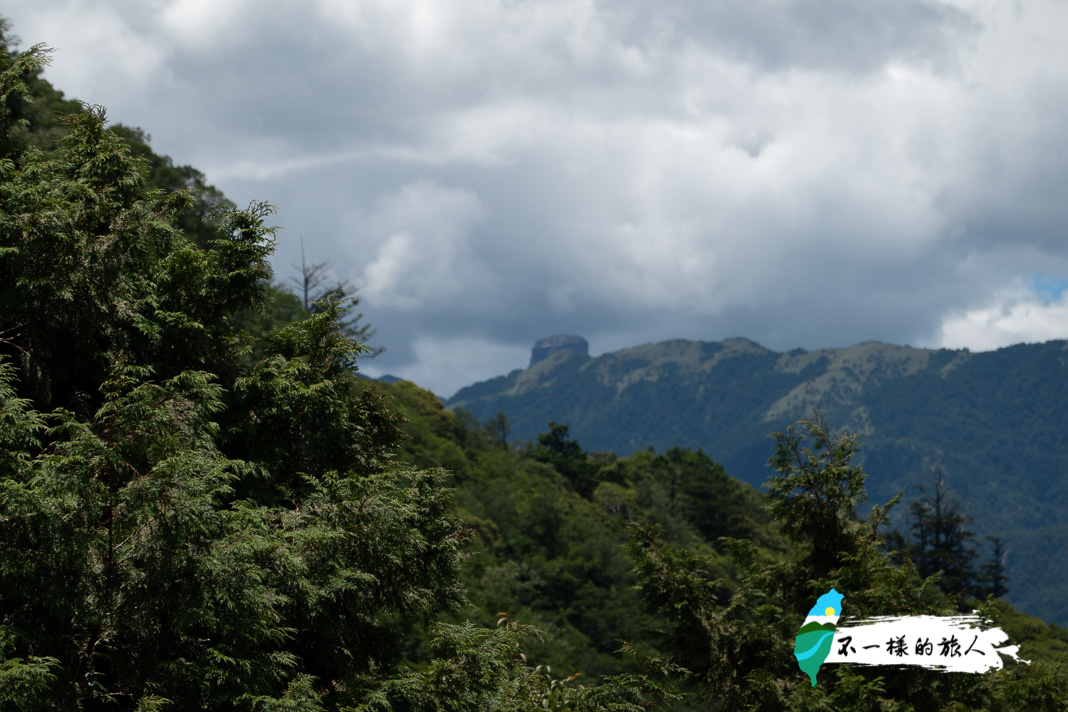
[1016, 316]
[800, 172]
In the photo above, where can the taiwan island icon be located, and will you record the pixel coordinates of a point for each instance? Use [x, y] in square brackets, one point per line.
[813, 642]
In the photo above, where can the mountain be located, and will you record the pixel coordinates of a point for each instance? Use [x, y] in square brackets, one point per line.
[993, 422]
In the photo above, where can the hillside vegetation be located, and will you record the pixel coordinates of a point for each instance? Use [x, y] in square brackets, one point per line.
[716, 574]
[992, 422]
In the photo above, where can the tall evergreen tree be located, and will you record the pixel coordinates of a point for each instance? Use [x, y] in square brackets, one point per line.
[567, 457]
[993, 581]
[943, 544]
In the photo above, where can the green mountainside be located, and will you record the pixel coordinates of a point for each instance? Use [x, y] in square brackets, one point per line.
[548, 553]
[552, 556]
[993, 422]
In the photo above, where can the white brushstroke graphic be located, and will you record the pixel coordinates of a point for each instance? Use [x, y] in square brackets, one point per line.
[949, 644]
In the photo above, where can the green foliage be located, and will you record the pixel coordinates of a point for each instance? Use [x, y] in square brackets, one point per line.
[816, 493]
[474, 669]
[485, 669]
[993, 580]
[204, 201]
[698, 490]
[943, 547]
[498, 428]
[566, 457]
[555, 559]
[739, 645]
[93, 266]
[29, 105]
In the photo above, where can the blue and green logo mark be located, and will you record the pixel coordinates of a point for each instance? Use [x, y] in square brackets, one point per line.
[816, 637]
[945, 643]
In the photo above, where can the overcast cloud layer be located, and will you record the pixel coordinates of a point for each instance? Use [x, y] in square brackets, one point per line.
[808, 173]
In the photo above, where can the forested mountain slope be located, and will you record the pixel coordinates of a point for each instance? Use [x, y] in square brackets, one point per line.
[994, 422]
[546, 511]
[552, 523]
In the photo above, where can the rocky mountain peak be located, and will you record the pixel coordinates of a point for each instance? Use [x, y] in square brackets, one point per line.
[552, 344]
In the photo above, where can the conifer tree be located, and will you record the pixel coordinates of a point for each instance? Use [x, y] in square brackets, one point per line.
[943, 544]
[994, 581]
[567, 457]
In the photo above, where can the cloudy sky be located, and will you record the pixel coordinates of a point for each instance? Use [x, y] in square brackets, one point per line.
[810, 173]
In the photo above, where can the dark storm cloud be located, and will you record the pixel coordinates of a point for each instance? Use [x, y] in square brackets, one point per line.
[803, 173]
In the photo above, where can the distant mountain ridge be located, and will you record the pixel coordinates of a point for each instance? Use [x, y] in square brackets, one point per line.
[995, 422]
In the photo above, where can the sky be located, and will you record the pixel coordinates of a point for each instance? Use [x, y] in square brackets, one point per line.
[802, 173]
